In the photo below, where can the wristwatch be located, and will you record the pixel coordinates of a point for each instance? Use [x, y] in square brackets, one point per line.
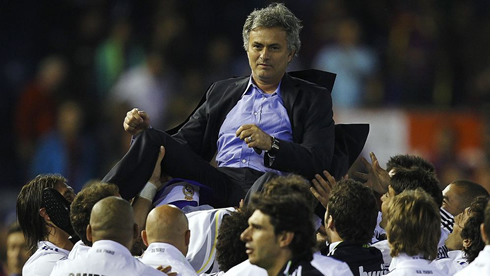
[275, 147]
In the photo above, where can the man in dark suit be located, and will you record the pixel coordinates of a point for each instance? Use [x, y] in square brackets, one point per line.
[268, 122]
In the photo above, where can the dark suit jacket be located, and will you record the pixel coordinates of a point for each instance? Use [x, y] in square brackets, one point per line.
[309, 107]
[311, 122]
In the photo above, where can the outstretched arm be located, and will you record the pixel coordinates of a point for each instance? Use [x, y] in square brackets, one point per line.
[322, 187]
[142, 203]
[376, 177]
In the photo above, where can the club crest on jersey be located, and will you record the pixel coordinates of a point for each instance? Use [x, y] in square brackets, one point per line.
[188, 191]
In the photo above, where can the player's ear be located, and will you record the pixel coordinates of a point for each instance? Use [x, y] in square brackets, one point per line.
[144, 237]
[285, 238]
[88, 233]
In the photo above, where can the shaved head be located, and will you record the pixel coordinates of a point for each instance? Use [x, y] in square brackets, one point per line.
[112, 219]
[167, 224]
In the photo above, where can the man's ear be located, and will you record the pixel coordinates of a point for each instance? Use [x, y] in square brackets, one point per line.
[44, 214]
[484, 234]
[285, 238]
[290, 56]
[187, 237]
[329, 224]
[144, 237]
[88, 233]
[467, 243]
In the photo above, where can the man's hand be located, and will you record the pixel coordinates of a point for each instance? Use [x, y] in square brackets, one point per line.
[254, 137]
[157, 178]
[136, 121]
[376, 178]
[323, 188]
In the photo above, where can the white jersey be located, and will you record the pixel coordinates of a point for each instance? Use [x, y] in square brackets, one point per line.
[404, 265]
[204, 226]
[453, 264]
[379, 232]
[480, 266]
[442, 250]
[326, 265]
[41, 263]
[107, 258]
[166, 254]
[447, 220]
[384, 247]
[78, 248]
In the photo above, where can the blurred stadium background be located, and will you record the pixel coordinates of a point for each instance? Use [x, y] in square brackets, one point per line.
[417, 71]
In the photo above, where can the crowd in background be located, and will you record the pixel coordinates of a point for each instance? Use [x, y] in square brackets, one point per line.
[71, 69]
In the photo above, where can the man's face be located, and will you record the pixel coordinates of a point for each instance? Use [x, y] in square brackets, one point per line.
[261, 242]
[385, 201]
[65, 190]
[454, 240]
[268, 54]
[451, 199]
[17, 253]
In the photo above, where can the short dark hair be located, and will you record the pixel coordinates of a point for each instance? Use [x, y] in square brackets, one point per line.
[290, 213]
[471, 190]
[290, 184]
[230, 249]
[354, 210]
[487, 222]
[411, 179]
[83, 203]
[408, 161]
[471, 229]
[29, 202]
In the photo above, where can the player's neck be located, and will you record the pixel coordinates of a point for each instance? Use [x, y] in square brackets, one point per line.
[59, 238]
[282, 258]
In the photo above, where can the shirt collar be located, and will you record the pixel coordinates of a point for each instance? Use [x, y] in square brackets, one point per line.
[169, 247]
[47, 245]
[332, 246]
[252, 84]
[111, 245]
[402, 258]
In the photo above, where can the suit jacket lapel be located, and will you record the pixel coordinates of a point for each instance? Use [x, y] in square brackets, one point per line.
[238, 91]
[289, 93]
[230, 97]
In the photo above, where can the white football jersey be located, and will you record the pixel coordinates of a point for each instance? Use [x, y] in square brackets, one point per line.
[106, 258]
[41, 263]
[204, 226]
[166, 254]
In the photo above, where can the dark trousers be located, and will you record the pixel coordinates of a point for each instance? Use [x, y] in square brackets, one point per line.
[227, 186]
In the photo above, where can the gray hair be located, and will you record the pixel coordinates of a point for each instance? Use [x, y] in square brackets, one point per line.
[275, 15]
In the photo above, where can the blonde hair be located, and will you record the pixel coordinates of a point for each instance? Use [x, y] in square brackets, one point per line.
[413, 224]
